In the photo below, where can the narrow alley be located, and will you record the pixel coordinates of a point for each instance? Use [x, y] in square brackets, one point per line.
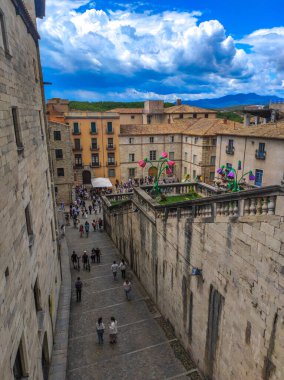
[146, 348]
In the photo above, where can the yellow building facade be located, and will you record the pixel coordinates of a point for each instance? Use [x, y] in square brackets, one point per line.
[95, 145]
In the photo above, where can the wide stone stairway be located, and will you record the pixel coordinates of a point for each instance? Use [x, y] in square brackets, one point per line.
[146, 348]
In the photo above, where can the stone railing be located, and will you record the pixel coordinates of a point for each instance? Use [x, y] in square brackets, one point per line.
[110, 198]
[264, 202]
[184, 188]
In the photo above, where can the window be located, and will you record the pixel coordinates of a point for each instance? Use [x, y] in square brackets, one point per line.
[78, 160]
[60, 172]
[57, 135]
[59, 154]
[37, 296]
[95, 159]
[35, 70]
[110, 143]
[171, 155]
[93, 127]
[214, 142]
[181, 115]
[77, 144]
[76, 130]
[111, 172]
[185, 156]
[194, 158]
[94, 143]
[231, 144]
[195, 140]
[131, 157]
[185, 170]
[40, 123]
[56, 190]
[186, 139]
[17, 131]
[258, 177]
[212, 160]
[132, 117]
[194, 115]
[131, 172]
[229, 166]
[28, 220]
[212, 176]
[206, 116]
[109, 127]
[151, 139]
[194, 174]
[261, 147]
[131, 140]
[152, 155]
[111, 158]
[172, 138]
[149, 119]
[4, 40]
[19, 367]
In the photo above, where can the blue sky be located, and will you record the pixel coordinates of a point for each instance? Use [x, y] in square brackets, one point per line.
[137, 50]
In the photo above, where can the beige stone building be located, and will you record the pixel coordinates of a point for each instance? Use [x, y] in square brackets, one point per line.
[260, 148]
[190, 143]
[62, 161]
[154, 112]
[30, 271]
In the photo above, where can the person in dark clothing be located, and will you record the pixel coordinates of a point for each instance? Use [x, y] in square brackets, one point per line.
[98, 255]
[74, 259]
[87, 228]
[85, 259]
[93, 255]
[78, 286]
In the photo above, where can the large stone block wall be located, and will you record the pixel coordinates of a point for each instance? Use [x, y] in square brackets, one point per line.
[25, 179]
[231, 319]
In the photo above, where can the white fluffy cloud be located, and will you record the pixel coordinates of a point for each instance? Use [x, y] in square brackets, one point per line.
[173, 45]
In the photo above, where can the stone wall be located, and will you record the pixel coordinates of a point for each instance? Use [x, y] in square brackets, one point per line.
[28, 255]
[231, 319]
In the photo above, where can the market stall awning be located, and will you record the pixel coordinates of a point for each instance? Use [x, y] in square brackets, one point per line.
[101, 182]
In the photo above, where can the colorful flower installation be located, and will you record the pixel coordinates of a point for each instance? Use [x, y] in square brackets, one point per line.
[229, 177]
[164, 165]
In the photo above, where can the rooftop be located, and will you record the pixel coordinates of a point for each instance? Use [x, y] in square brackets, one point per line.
[192, 127]
[266, 131]
[187, 109]
[127, 110]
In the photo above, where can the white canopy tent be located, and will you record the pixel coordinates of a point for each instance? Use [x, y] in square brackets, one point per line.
[101, 182]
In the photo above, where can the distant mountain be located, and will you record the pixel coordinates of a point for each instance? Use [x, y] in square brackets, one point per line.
[234, 100]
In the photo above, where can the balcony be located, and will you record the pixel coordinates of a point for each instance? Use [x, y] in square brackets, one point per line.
[93, 132]
[77, 149]
[109, 132]
[111, 163]
[230, 150]
[95, 165]
[110, 147]
[78, 166]
[260, 154]
[94, 147]
[76, 133]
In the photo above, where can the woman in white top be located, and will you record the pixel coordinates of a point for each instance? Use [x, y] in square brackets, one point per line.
[113, 330]
[100, 330]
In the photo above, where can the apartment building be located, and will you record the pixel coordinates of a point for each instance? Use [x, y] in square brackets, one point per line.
[29, 259]
[190, 143]
[259, 147]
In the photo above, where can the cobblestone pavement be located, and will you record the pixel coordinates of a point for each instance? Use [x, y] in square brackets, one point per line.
[146, 348]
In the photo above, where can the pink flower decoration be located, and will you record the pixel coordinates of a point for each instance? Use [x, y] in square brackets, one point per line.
[171, 163]
[169, 171]
[142, 163]
[164, 154]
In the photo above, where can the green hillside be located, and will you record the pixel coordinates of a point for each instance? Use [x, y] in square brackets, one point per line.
[231, 115]
[107, 106]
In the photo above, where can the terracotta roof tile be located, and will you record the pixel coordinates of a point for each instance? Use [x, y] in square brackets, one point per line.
[187, 109]
[266, 131]
[193, 127]
[127, 110]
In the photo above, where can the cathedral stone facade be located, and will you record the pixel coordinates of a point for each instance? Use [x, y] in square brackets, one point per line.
[29, 260]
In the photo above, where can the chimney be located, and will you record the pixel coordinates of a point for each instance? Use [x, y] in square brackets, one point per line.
[178, 102]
